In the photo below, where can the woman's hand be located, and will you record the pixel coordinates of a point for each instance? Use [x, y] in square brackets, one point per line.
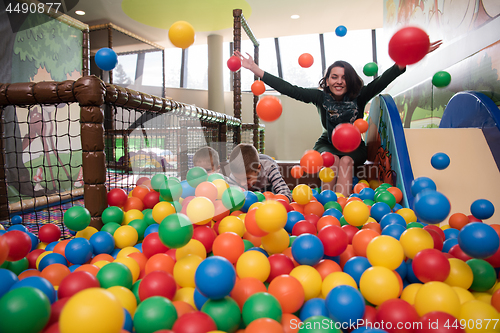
[248, 63]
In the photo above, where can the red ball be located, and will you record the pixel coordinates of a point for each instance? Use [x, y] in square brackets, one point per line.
[157, 283]
[430, 265]
[306, 60]
[269, 108]
[334, 240]
[4, 250]
[152, 245]
[75, 282]
[205, 235]
[49, 233]
[32, 257]
[151, 199]
[286, 204]
[196, 321]
[258, 87]
[117, 197]
[19, 244]
[328, 159]
[439, 322]
[303, 227]
[311, 218]
[408, 46]
[234, 63]
[458, 253]
[399, 313]
[438, 241]
[55, 311]
[350, 230]
[346, 137]
[436, 229]
[311, 161]
[280, 264]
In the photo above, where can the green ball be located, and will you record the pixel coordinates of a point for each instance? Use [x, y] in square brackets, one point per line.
[441, 79]
[292, 239]
[177, 205]
[154, 314]
[316, 324]
[225, 313]
[260, 196]
[110, 227]
[368, 202]
[19, 266]
[157, 181]
[385, 185]
[317, 189]
[333, 204]
[148, 216]
[414, 225]
[112, 214]
[139, 225]
[233, 198]
[484, 275]
[196, 176]
[114, 274]
[215, 176]
[24, 309]
[343, 222]
[135, 290]
[176, 230]
[248, 244]
[261, 305]
[387, 197]
[370, 69]
[171, 190]
[76, 218]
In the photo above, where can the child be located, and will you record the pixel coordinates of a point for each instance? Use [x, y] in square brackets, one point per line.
[256, 172]
[207, 158]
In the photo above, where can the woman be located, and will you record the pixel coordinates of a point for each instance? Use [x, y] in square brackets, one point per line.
[342, 99]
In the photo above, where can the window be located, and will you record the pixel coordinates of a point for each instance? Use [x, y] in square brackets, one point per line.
[173, 59]
[124, 73]
[153, 70]
[384, 61]
[290, 49]
[197, 67]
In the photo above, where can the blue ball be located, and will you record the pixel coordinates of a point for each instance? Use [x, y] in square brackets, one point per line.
[138, 246]
[327, 196]
[341, 31]
[333, 212]
[307, 249]
[187, 190]
[431, 207]
[115, 252]
[16, 219]
[50, 246]
[440, 161]
[478, 240]
[292, 218]
[106, 59]
[8, 280]
[356, 266]
[394, 230]
[19, 227]
[52, 258]
[450, 233]
[199, 299]
[102, 242]
[72, 268]
[402, 270]
[34, 240]
[250, 199]
[128, 324]
[79, 250]
[482, 209]
[410, 275]
[345, 304]
[392, 218]
[151, 228]
[420, 184]
[39, 283]
[313, 307]
[396, 207]
[379, 210]
[215, 277]
[367, 193]
[259, 249]
[448, 244]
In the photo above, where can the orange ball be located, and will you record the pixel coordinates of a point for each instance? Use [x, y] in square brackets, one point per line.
[140, 191]
[264, 325]
[61, 247]
[246, 287]
[268, 195]
[55, 273]
[297, 207]
[306, 60]
[133, 203]
[228, 245]
[311, 161]
[251, 224]
[102, 256]
[396, 192]
[296, 171]
[160, 262]
[346, 255]
[288, 253]
[207, 190]
[28, 273]
[327, 220]
[288, 291]
[342, 201]
[281, 196]
[326, 266]
[256, 241]
[458, 221]
[315, 208]
[361, 239]
[269, 108]
[182, 308]
[358, 187]
[495, 300]
[258, 87]
[220, 211]
[373, 226]
[289, 322]
[361, 124]
[92, 269]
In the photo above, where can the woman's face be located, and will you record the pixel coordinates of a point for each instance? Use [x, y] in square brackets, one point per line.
[336, 83]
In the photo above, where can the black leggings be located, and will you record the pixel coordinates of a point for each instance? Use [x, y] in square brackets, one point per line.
[359, 155]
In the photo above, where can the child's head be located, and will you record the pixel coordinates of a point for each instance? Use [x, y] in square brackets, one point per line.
[208, 159]
[244, 163]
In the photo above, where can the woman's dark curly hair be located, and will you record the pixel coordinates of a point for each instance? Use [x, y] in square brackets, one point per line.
[354, 83]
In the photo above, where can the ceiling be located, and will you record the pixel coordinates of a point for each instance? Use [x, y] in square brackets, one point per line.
[150, 19]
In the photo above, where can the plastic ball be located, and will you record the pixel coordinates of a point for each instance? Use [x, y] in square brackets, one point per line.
[196, 176]
[276, 242]
[233, 198]
[224, 312]
[78, 251]
[430, 265]
[356, 213]
[246, 287]
[441, 79]
[296, 171]
[76, 282]
[478, 240]
[115, 274]
[280, 264]
[482, 209]
[377, 279]
[234, 63]
[346, 137]
[17, 243]
[196, 321]
[345, 304]
[106, 59]
[261, 305]
[458, 221]
[258, 88]
[175, 230]
[328, 159]
[361, 125]
[215, 277]
[112, 214]
[408, 46]
[437, 296]
[431, 207]
[49, 233]
[460, 274]
[397, 313]
[271, 216]
[311, 161]
[341, 31]
[334, 240]
[154, 314]
[288, 291]
[171, 190]
[200, 210]
[269, 108]
[370, 69]
[307, 249]
[484, 275]
[415, 240]
[125, 236]
[355, 267]
[77, 218]
[306, 60]
[440, 161]
[326, 175]
[310, 280]
[385, 251]
[253, 264]
[181, 34]
[264, 325]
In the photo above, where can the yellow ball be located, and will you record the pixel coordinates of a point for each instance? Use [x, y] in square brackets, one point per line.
[100, 263]
[276, 242]
[221, 185]
[356, 213]
[194, 246]
[310, 279]
[255, 205]
[125, 236]
[326, 175]
[415, 240]
[378, 284]
[463, 294]
[410, 291]
[445, 226]
[161, 210]
[483, 297]
[271, 216]
[92, 310]
[302, 194]
[132, 265]
[385, 251]
[335, 279]
[185, 294]
[232, 224]
[41, 245]
[126, 298]
[181, 34]
[86, 233]
[126, 251]
[407, 214]
[200, 210]
[364, 182]
[478, 316]
[460, 274]
[133, 214]
[253, 264]
[437, 296]
[40, 257]
[339, 195]
[184, 270]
